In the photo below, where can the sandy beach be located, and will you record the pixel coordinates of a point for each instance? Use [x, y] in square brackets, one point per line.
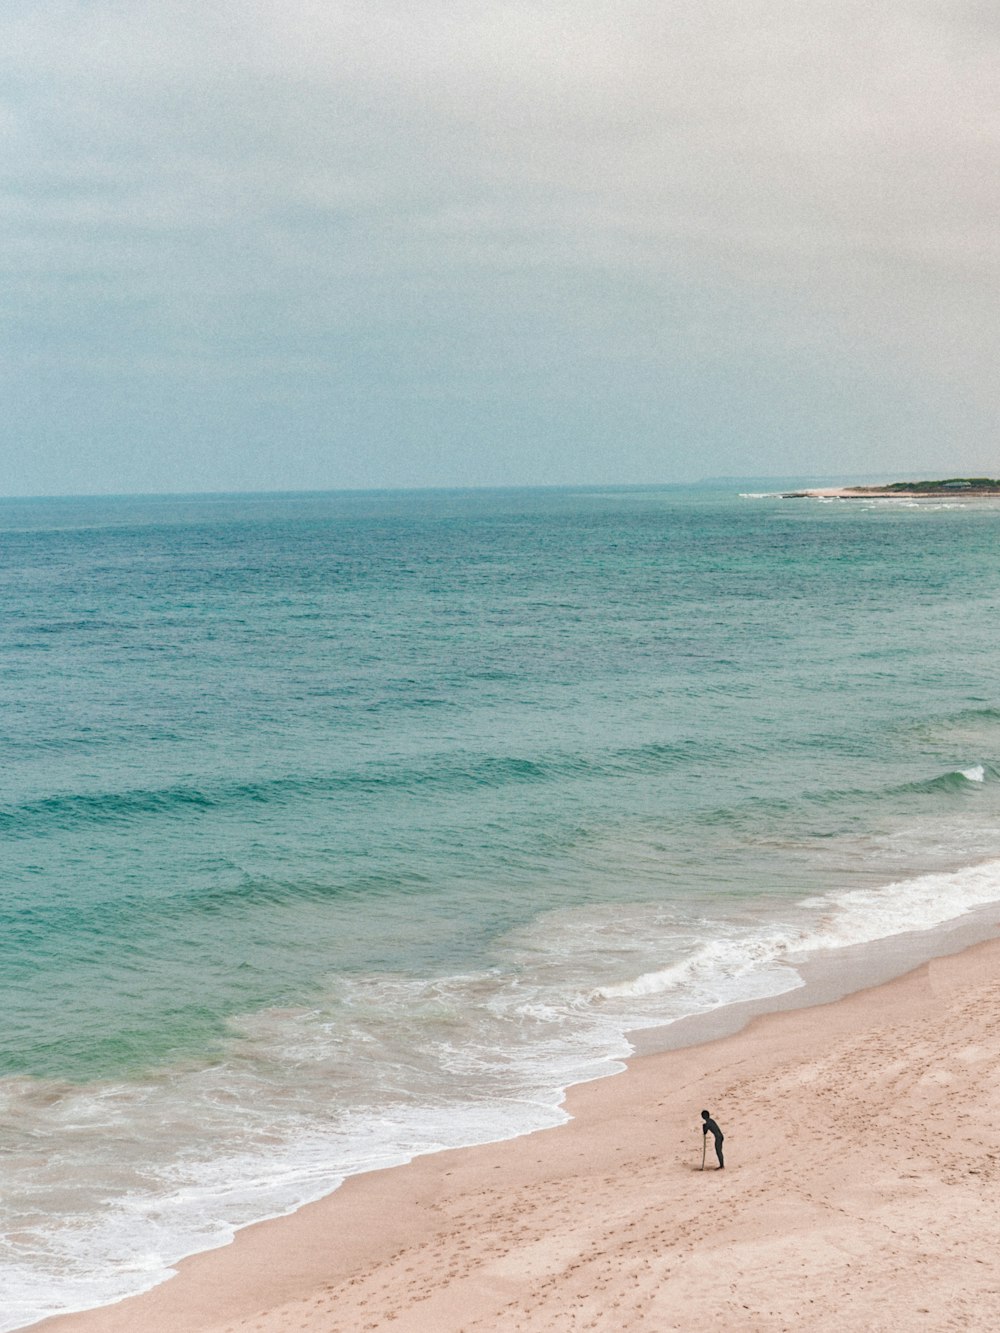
[860, 1192]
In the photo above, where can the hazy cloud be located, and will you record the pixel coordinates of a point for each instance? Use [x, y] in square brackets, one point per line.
[310, 243]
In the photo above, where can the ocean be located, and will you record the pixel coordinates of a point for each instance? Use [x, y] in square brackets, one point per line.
[339, 828]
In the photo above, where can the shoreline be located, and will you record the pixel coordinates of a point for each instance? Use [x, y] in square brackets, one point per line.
[827, 976]
[393, 1231]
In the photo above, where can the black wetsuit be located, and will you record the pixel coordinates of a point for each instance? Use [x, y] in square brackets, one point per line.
[710, 1127]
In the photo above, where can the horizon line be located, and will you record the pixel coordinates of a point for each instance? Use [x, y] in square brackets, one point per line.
[733, 479]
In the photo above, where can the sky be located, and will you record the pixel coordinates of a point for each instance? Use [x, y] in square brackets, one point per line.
[320, 244]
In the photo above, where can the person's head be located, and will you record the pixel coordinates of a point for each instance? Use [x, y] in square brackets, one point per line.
[705, 1115]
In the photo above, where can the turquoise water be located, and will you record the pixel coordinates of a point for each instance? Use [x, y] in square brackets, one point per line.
[342, 827]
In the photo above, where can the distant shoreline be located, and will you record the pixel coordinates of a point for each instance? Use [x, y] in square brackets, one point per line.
[950, 488]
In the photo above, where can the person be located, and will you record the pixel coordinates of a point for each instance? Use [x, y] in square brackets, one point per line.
[710, 1127]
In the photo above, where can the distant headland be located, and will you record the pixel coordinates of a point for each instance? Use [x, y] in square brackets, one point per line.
[948, 488]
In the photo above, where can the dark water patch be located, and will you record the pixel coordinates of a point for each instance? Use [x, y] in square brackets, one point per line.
[81, 624]
[445, 775]
[135, 916]
[72, 809]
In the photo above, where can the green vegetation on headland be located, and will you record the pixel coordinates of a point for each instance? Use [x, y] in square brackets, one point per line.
[949, 486]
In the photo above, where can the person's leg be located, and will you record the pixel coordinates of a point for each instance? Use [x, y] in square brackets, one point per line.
[718, 1152]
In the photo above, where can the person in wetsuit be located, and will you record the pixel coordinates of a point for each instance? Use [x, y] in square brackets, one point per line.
[710, 1127]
